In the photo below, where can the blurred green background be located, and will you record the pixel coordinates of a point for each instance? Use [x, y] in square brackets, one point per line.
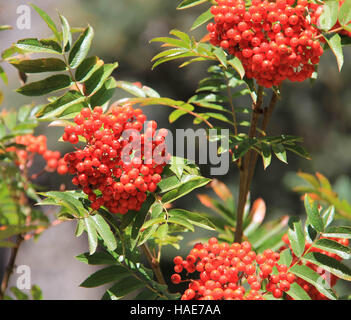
[320, 113]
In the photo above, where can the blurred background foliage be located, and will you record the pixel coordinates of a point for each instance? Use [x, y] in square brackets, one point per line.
[319, 112]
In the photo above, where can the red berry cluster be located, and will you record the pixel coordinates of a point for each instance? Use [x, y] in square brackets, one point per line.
[224, 267]
[274, 40]
[332, 279]
[106, 172]
[37, 145]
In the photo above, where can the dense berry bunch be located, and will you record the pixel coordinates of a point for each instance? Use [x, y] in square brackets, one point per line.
[223, 269]
[37, 145]
[274, 40]
[118, 165]
[332, 279]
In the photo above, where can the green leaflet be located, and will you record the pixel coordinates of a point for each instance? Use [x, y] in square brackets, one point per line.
[48, 85]
[98, 78]
[313, 278]
[57, 108]
[48, 21]
[184, 189]
[38, 46]
[87, 68]
[92, 234]
[38, 65]
[203, 18]
[185, 4]
[297, 237]
[297, 293]
[105, 232]
[106, 275]
[334, 43]
[329, 264]
[329, 15]
[334, 247]
[81, 48]
[313, 215]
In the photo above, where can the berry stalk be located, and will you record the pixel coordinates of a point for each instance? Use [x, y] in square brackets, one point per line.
[10, 267]
[244, 179]
[154, 263]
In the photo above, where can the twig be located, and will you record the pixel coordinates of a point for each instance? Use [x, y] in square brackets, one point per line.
[231, 105]
[268, 111]
[244, 168]
[10, 267]
[76, 83]
[246, 175]
[330, 31]
[266, 117]
[154, 263]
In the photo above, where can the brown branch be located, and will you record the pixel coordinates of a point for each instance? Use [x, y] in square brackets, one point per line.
[154, 263]
[250, 159]
[10, 267]
[269, 110]
[330, 31]
[244, 168]
[196, 115]
[231, 105]
[266, 117]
